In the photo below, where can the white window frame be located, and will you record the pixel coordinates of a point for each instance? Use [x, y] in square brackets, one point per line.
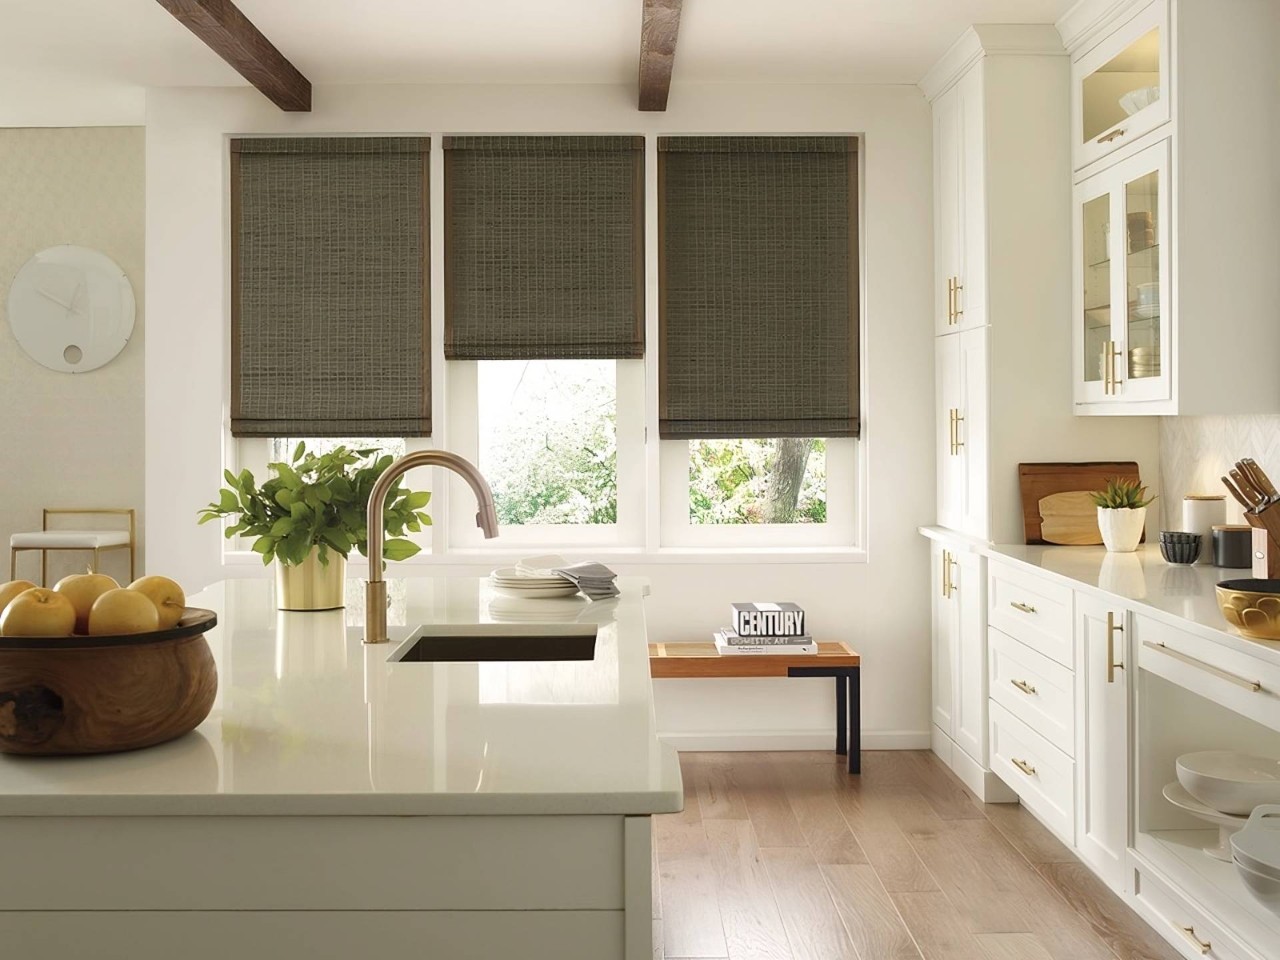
[462, 411]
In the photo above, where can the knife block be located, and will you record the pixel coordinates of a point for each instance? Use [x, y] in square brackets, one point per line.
[1266, 552]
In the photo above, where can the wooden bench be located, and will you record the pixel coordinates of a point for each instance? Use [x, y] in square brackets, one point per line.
[677, 661]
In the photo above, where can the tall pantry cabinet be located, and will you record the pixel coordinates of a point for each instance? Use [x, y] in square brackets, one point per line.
[1003, 379]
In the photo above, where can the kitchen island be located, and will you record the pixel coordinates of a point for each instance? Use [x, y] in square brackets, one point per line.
[339, 802]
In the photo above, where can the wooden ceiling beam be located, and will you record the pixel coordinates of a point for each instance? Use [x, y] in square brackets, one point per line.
[233, 37]
[658, 33]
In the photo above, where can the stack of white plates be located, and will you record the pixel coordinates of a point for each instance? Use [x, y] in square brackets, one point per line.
[1256, 851]
[510, 582]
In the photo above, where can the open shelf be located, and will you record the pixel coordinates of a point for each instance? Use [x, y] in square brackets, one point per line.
[1213, 884]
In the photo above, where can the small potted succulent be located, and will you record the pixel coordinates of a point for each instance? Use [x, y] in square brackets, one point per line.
[1122, 513]
[309, 516]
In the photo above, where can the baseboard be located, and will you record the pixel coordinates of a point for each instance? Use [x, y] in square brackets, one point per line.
[794, 740]
[986, 786]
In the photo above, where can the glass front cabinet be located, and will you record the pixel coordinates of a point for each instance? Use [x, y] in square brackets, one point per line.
[1122, 308]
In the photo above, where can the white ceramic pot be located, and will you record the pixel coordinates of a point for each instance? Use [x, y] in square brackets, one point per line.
[1121, 529]
[1229, 781]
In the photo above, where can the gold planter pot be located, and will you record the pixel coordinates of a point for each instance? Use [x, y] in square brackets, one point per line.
[311, 585]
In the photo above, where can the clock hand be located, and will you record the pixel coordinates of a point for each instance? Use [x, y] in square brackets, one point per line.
[49, 296]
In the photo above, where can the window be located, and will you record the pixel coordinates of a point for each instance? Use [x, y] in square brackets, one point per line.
[758, 481]
[548, 440]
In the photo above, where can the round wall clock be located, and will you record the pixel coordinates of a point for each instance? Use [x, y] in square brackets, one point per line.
[71, 308]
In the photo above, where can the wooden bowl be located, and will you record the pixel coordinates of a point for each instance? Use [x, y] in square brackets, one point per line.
[1252, 606]
[106, 694]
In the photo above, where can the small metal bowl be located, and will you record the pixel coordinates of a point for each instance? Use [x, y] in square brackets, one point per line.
[1251, 606]
[1181, 548]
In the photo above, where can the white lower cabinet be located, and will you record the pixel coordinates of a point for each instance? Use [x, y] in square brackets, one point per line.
[1179, 918]
[1103, 669]
[1042, 775]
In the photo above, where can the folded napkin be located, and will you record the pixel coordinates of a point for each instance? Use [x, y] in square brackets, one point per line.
[594, 579]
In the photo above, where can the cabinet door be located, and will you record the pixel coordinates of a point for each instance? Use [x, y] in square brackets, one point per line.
[1120, 88]
[1122, 340]
[946, 219]
[969, 581]
[1103, 752]
[971, 432]
[946, 624]
[948, 399]
[971, 265]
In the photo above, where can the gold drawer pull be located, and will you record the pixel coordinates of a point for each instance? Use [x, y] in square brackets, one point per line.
[1023, 686]
[1024, 607]
[1239, 681]
[1022, 765]
[1108, 137]
[1200, 946]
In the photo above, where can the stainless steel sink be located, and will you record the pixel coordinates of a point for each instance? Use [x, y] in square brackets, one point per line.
[472, 642]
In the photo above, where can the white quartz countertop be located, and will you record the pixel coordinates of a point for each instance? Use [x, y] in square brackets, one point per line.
[1180, 595]
[311, 721]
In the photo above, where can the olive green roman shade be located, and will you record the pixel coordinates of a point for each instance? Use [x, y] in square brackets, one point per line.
[329, 287]
[758, 311]
[544, 247]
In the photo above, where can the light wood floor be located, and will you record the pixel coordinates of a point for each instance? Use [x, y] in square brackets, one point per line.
[784, 855]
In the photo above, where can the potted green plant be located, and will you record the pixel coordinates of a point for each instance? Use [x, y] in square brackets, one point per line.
[1122, 513]
[310, 514]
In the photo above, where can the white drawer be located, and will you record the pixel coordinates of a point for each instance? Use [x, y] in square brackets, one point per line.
[1031, 609]
[1035, 689]
[1040, 774]
[1235, 680]
[1187, 927]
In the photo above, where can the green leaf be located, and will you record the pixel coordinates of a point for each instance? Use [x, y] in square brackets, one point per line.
[416, 500]
[299, 450]
[263, 545]
[399, 549]
[286, 498]
[228, 502]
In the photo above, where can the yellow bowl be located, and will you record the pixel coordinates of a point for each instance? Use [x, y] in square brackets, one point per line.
[1251, 606]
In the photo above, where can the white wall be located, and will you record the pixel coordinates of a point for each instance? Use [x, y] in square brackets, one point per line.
[881, 606]
[69, 439]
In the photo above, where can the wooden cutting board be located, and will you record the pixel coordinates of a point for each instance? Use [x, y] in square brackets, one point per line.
[1066, 522]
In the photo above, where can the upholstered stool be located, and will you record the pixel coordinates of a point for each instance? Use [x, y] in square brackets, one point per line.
[94, 541]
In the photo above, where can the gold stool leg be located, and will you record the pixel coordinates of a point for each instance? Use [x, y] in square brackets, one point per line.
[13, 563]
[44, 568]
[94, 568]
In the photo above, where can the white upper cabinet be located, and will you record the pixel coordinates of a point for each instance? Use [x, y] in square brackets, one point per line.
[959, 214]
[1121, 86]
[1122, 343]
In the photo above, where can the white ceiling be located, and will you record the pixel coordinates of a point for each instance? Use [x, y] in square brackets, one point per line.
[107, 44]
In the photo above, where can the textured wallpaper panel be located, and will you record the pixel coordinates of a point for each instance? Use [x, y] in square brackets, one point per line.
[1196, 451]
[70, 439]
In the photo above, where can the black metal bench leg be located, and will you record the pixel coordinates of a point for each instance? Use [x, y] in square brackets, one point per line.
[842, 716]
[854, 720]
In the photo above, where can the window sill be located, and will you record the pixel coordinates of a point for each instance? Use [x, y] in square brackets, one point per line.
[495, 557]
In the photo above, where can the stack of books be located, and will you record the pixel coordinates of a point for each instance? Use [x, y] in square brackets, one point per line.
[764, 628]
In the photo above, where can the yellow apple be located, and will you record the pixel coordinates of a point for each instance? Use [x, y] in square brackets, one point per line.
[82, 589]
[122, 611]
[38, 613]
[11, 589]
[166, 594]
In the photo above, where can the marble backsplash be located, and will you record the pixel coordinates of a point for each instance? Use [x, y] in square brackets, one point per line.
[1196, 451]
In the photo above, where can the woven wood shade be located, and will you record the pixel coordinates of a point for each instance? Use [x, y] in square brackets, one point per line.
[759, 287]
[329, 315]
[544, 248]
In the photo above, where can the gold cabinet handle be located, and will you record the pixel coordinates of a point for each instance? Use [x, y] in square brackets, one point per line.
[954, 415]
[1114, 355]
[1108, 137]
[946, 575]
[1112, 629]
[1025, 687]
[1189, 934]
[959, 442]
[956, 287]
[951, 300]
[1024, 607]
[1239, 681]
[1022, 765]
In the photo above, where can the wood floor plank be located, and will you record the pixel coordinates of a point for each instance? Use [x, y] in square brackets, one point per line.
[950, 799]
[679, 835]
[937, 928]
[767, 807]
[874, 814]
[753, 927]
[719, 796]
[1012, 946]
[1031, 838]
[983, 903]
[869, 916]
[812, 790]
[691, 924]
[814, 928]
[1119, 928]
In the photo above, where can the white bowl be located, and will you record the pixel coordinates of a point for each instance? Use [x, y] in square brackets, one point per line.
[1135, 100]
[1229, 781]
[1264, 888]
